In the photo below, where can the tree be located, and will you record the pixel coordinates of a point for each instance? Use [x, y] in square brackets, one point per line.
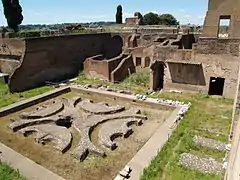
[13, 13]
[119, 15]
[168, 19]
[140, 17]
[151, 19]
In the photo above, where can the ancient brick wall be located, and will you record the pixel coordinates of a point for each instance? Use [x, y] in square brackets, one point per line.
[114, 69]
[209, 65]
[125, 68]
[96, 67]
[11, 52]
[218, 46]
[60, 57]
[224, 9]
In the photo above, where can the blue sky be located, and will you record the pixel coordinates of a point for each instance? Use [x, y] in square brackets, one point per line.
[58, 11]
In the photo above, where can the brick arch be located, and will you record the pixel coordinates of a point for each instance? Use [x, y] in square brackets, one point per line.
[157, 75]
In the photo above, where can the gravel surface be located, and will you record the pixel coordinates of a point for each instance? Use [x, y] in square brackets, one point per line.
[205, 165]
[210, 143]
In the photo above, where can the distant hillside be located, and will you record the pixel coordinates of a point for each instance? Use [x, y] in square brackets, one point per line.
[59, 26]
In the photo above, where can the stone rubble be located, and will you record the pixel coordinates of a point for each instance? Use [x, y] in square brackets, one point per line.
[228, 147]
[175, 91]
[204, 165]
[209, 143]
[124, 174]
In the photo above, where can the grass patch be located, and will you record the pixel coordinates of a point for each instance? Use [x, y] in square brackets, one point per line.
[6, 98]
[138, 82]
[7, 173]
[207, 113]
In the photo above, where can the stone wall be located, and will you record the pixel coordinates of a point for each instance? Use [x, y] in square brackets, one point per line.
[114, 69]
[125, 68]
[218, 46]
[179, 72]
[96, 67]
[60, 57]
[224, 9]
[11, 52]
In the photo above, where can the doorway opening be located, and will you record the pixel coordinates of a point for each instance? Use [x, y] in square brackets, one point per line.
[147, 61]
[138, 61]
[216, 86]
[158, 76]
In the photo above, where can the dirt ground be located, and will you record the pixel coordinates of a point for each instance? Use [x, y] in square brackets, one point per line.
[94, 168]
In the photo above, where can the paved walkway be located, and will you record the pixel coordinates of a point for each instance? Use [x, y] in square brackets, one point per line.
[233, 171]
[143, 158]
[25, 166]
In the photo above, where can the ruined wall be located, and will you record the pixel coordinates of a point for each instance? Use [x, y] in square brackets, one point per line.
[132, 21]
[206, 66]
[143, 53]
[11, 52]
[125, 68]
[60, 57]
[114, 69]
[96, 67]
[224, 8]
[218, 46]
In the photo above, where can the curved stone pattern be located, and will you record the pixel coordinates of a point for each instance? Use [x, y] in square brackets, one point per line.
[50, 122]
[44, 111]
[112, 130]
[100, 108]
[47, 132]
[89, 122]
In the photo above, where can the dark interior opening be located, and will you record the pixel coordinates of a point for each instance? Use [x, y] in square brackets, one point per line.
[158, 77]
[147, 61]
[216, 86]
[65, 122]
[138, 61]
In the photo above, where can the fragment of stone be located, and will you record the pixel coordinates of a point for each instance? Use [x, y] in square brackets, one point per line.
[209, 143]
[86, 86]
[96, 86]
[228, 147]
[204, 165]
[119, 177]
[175, 91]
[124, 173]
[61, 136]
[225, 165]
[128, 169]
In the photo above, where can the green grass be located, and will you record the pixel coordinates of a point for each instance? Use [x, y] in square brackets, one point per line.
[6, 98]
[205, 113]
[7, 173]
[138, 82]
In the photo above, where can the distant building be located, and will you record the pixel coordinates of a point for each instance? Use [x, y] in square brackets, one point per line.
[132, 21]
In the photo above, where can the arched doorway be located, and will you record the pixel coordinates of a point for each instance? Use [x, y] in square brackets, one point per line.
[116, 46]
[157, 75]
[147, 62]
[132, 41]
